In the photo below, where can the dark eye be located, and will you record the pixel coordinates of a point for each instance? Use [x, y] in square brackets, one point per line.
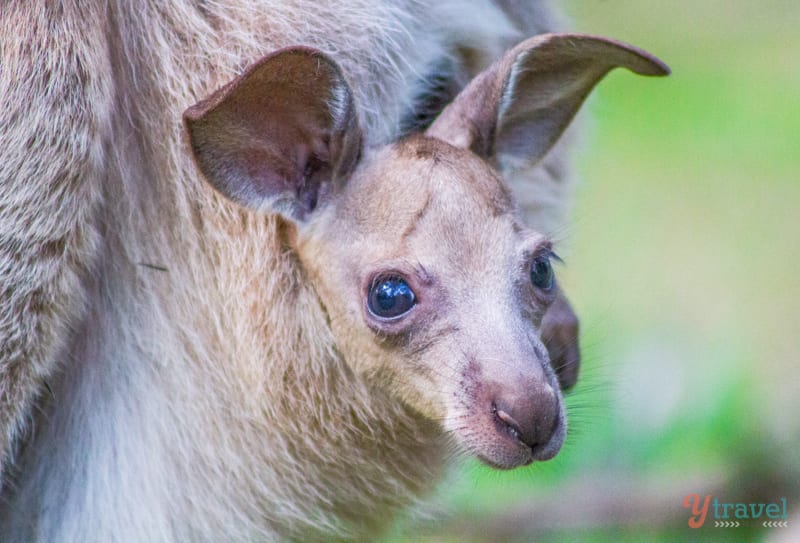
[542, 273]
[389, 298]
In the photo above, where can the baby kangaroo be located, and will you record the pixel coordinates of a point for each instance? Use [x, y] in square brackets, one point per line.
[431, 286]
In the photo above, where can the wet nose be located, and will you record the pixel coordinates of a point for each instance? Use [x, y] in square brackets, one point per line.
[531, 415]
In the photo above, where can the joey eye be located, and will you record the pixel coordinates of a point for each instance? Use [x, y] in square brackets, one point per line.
[390, 298]
[542, 273]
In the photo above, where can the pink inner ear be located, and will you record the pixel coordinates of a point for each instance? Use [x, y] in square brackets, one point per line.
[265, 174]
[273, 134]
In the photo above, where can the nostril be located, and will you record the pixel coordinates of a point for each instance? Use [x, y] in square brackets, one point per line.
[531, 420]
[508, 420]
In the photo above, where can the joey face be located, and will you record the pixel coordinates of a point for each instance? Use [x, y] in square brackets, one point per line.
[436, 291]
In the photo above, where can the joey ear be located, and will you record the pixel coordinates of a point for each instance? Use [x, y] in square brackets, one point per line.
[513, 112]
[560, 335]
[282, 137]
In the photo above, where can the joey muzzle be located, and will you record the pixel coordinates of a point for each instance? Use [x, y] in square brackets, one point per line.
[516, 413]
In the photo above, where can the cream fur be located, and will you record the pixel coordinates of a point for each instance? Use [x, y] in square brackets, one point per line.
[197, 393]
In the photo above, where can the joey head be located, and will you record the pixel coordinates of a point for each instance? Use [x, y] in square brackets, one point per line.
[433, 286]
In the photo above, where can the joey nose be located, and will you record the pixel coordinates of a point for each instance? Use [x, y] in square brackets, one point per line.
[530, 417]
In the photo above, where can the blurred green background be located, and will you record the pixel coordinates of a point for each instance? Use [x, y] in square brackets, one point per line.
[683, 259]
